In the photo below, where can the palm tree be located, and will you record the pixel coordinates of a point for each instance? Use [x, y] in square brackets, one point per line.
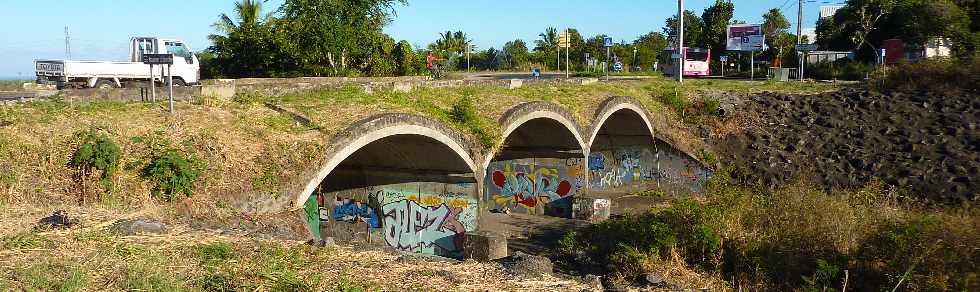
[548, 41]
[454, 42]
[249, 14]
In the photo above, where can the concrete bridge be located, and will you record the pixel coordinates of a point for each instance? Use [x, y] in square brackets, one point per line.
[418, 185]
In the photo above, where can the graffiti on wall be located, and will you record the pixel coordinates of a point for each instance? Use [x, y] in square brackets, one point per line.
[634, 166]
[432, 218]
[424, 217]
[538, 187]
[621, 167]
[352, 211]
[676, 170]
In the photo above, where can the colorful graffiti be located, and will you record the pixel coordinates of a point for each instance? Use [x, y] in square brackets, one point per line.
[428, 218]
[353, 211]
[411, 226]
[634, 166]
[629, 166]
[544, 186]
[424, 217]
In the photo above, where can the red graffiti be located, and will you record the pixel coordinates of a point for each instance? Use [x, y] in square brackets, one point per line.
[563, 188]
[498, 178]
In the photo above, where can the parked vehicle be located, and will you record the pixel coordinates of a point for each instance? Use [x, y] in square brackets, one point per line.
[108, 74]
[697, 62]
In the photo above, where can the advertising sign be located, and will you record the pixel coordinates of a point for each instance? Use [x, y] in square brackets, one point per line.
[745, 37]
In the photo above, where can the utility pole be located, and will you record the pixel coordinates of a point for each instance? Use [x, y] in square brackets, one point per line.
[633, 62]
[67, 44]
[680, 41]
[799, 37]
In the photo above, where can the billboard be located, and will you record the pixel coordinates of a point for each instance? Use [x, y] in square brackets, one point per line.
[745, 37]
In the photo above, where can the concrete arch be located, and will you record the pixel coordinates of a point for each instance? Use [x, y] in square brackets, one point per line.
[615, 104]
[520, 114]
[371, 129]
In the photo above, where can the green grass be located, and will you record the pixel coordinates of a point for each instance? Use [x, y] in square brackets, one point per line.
[13, 85]
[24, 240]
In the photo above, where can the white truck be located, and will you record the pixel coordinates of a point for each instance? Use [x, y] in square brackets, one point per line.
[132, 73]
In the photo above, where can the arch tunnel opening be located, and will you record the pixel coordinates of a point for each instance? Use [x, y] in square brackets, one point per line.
[410, 192]
[625, 157]
[538, 170]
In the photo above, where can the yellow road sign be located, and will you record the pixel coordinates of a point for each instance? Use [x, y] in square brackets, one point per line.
[564, 40]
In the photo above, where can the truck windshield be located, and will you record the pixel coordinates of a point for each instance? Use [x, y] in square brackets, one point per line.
[178, 49]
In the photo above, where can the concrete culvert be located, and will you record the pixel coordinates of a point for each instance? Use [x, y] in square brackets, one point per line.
[411, 187]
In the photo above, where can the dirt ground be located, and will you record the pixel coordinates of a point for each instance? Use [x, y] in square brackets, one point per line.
[926, 144]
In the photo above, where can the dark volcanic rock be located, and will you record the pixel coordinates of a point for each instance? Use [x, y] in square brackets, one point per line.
[926, 143]
[525, 265]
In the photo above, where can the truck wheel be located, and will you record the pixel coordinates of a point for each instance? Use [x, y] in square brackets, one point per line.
[105, 84]
[179, 82]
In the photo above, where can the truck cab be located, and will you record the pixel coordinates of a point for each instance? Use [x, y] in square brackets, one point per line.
[186, 67]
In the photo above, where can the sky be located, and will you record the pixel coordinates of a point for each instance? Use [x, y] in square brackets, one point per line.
[100, 29]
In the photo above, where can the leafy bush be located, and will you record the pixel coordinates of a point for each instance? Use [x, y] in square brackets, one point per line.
[95, 152]
[939, 76]
[623, 246]
[840, 70]
[173, 173]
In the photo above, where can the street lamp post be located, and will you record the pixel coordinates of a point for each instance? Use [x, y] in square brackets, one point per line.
[680, 41]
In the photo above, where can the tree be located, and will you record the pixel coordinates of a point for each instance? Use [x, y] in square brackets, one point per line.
[248, 47]
[515, 55]
[453, 42]
[693, 26]
[781, 43]
[331, 36]
[648, 48]
[716, 19]
[405, 58]
[774, 24]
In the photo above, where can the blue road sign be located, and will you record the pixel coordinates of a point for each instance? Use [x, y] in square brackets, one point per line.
[607, 41]
[618, 66]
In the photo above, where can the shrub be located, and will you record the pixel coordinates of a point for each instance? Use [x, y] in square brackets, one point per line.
[173, 173]
[95, 152]
[622, 246]
[939, 76]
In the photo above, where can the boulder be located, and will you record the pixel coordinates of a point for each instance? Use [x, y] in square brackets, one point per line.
[138, 226]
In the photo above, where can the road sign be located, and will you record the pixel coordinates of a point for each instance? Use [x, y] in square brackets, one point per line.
[723, 59]
[618, 66]
[607, 41]
[564, 40]
[807, 47]
[745, 37]
[158, 59]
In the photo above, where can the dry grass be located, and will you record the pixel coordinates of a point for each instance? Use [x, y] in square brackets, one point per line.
[88, 258]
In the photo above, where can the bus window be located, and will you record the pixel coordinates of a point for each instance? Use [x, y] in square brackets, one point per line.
[696, 56]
